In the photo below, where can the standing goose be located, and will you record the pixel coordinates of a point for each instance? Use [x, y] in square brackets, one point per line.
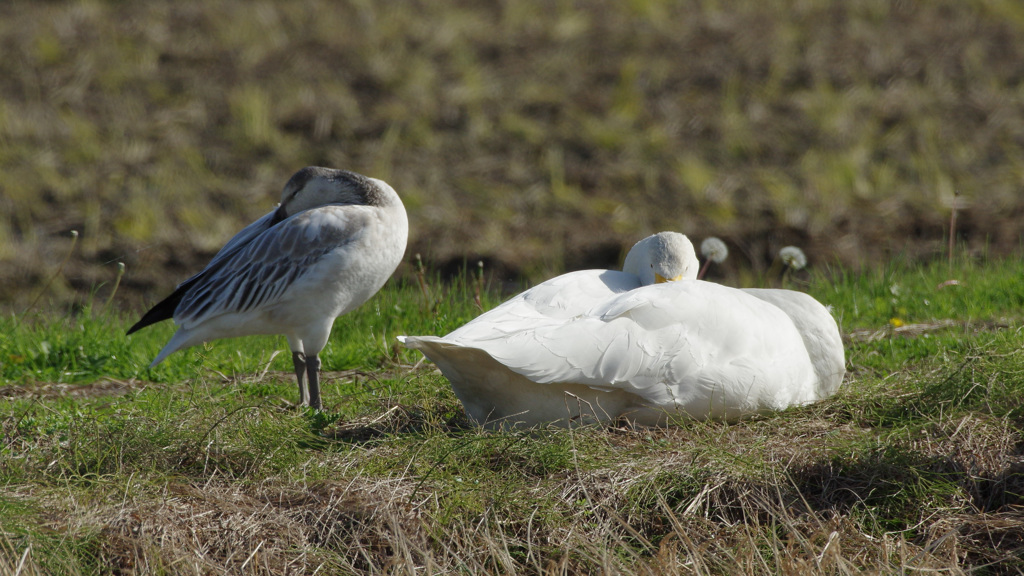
[332, 243]
[646, 343]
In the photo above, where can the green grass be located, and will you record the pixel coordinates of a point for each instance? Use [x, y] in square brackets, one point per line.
[205, 463]
[537, 144]
[87, 342]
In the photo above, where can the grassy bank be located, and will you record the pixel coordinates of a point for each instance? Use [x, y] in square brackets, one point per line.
[540, 138]
[203, 465]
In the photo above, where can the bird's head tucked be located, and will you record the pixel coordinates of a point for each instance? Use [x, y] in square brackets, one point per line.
[314, 186]
[663, 257]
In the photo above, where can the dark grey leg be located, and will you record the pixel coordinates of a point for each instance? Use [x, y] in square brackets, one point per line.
[299, 359]
[313, 372]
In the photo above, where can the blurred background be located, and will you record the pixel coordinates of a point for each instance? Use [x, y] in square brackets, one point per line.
[536, 136]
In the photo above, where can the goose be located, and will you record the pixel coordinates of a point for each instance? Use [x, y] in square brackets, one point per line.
[648, 344]
[330, 245]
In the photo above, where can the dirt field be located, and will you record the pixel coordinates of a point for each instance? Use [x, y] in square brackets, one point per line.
[536, 137]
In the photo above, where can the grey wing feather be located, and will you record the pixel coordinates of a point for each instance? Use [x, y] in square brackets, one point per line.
[244, 236]
[259, 273]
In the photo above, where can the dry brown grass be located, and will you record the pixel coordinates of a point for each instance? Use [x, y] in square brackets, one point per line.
[793, 495]
[371, 527]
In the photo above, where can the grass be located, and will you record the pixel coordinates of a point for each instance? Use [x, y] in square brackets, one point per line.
[536, 145]
[204, 464]
[158, 129]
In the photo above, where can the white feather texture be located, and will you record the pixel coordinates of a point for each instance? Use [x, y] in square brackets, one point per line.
[600, 345]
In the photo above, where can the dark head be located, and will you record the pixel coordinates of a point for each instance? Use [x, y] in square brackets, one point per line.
[314, 186]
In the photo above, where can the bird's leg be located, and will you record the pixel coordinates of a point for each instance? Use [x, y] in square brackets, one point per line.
[299, 360]
[313, 372]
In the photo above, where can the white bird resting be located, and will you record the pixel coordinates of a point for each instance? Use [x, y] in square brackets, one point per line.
[600, 345]
[336, 237]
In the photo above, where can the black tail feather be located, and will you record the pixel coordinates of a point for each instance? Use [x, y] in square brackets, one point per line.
[162, 311]
[165, 309]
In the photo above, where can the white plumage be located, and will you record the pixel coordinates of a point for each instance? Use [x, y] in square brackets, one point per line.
[332, 243]
[601, 344]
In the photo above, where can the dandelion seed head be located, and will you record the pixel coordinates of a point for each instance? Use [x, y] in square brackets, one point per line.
[714, 249]
[793, 257]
